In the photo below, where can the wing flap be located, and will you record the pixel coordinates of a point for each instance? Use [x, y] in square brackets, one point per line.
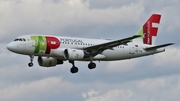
[158, 46]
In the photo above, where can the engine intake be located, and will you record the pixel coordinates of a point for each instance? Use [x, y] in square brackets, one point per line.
[48, 61]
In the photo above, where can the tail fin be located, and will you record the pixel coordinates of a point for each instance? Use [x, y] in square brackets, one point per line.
[149, 30]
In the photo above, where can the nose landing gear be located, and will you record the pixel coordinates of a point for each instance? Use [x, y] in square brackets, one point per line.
[31, 60]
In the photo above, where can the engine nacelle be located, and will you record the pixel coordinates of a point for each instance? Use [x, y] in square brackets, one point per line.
[48, 61]
[73, 54]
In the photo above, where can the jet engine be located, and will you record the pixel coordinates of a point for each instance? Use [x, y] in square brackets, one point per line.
[73, 54]
[48, 61]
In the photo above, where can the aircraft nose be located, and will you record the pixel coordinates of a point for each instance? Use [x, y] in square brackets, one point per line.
[10, 46]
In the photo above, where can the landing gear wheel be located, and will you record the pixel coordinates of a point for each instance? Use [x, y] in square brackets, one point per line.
[74, 70]
[31, 60]
[30, 64]
[91, 65]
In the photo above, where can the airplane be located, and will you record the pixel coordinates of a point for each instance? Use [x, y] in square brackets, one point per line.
[54, 50]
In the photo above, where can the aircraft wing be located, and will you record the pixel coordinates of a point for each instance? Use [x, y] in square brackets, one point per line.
[109, 45]
[158, 46]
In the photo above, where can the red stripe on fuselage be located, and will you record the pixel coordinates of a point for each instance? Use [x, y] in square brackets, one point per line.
[52, 43]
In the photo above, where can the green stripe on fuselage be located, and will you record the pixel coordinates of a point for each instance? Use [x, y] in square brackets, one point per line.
[40, 43]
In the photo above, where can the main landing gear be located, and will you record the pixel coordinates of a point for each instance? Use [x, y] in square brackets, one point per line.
[74, 69]
[91, 65]
[31, 60]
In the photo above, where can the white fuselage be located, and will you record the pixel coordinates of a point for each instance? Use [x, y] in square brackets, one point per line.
[130, 50]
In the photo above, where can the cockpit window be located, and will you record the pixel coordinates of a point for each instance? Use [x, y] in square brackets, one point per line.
[16, 39]
[20, 39]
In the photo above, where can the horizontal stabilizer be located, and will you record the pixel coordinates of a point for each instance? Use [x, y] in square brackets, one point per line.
[159, 46]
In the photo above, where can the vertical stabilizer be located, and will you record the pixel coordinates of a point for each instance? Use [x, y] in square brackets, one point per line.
[149, 30]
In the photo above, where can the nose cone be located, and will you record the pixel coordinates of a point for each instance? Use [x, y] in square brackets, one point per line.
[10, 46]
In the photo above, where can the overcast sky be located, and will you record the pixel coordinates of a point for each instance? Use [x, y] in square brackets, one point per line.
[150, 78]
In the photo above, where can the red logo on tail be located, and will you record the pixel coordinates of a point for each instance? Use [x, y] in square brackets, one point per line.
[150, 28]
